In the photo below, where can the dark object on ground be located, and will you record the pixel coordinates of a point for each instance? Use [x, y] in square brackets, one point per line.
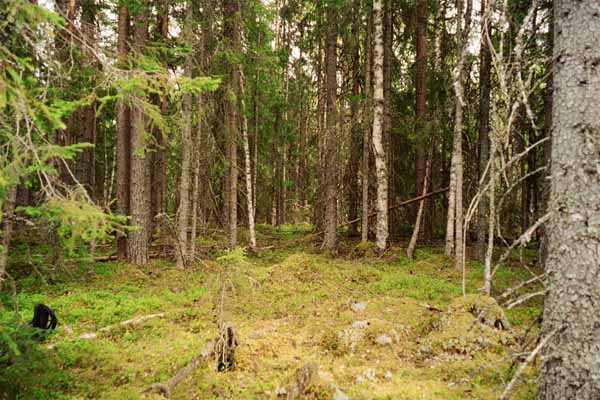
[43, 317]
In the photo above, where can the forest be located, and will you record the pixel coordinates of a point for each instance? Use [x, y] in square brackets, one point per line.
[299, 199]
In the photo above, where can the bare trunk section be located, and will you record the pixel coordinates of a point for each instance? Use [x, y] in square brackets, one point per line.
[455, 206]
[415, 235]
[137, 244]
[248, 166]
[183, 217]
[388, 148]
[159, 167]
[330, 167]
[8, 212]
[231, 33]
[378, 116]
[355, 136]
[123, 163]
[487, 272]
[367, 117]
[485, 59]
[570, 361]
[421, 128]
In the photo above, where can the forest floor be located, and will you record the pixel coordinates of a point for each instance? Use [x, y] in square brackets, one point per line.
[378, 328]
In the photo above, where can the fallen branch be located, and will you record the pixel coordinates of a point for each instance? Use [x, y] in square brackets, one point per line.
[373, 214]
[429, 307]
[522, 367]
[510, 291]
[113, 257]
[524, 298]
[129, 322]
[166, 388]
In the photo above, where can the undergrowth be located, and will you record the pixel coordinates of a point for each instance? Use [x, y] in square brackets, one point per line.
[289, 304]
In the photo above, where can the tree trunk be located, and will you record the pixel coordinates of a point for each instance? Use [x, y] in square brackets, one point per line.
[489, 252]
[123, 162]
[367, 126]
[569, 362]
[378, 116]
[548, 100]
[86, 131]
[413, 240]
[8, 212]
[421, 128]
[455, 206]
[485, 60]
[159, 167]
[388, 148]
[248, 168]
[183, 217]
[231, 33]
[137, 243]
[355, 137]
[330, 167]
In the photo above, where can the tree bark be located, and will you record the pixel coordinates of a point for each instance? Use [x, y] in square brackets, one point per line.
[378, 116]
[231, 33]
[248, 167]
[123, 135]
[330, 167]
[137, 243]
[355, 136]
[548, 101]
[8, 212]
[413, 240]
[455, 205]
[388, 144]
[159, 167]
[183, 220]
[485, 60]
[571, 360]
[421, 129]
[367, 126]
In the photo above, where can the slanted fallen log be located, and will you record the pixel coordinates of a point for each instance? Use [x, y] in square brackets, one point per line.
[129, 322]
[222, 348]
[166, 388]
[373, 214]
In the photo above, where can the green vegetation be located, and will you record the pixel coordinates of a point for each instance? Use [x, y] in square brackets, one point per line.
[289, 306]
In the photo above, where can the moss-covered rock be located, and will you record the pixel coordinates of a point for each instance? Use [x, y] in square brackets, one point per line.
[360, 336]
[364, 249]
[305, 383]
[472, 323]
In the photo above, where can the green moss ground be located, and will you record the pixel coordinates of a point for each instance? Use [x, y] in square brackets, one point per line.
[288, 305]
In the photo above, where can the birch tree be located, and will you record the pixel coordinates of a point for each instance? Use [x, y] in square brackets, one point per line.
[378, 146]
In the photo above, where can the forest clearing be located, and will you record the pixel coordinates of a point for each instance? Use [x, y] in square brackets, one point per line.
[288, 305]
[299, 199]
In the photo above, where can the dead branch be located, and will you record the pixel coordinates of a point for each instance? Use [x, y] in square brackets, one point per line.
[508, 292]
[373, 214]
[166, 388]
[129, 322]
[522, 367]
[526, 297]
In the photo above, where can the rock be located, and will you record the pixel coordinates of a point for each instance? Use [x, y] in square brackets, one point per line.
[383, 340]
[339, 395]
[370, 374]
[360, 324]
[358, 307]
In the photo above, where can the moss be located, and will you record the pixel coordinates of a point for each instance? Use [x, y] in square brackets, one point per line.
[364, 249]
[286, 304]
[472, 323]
